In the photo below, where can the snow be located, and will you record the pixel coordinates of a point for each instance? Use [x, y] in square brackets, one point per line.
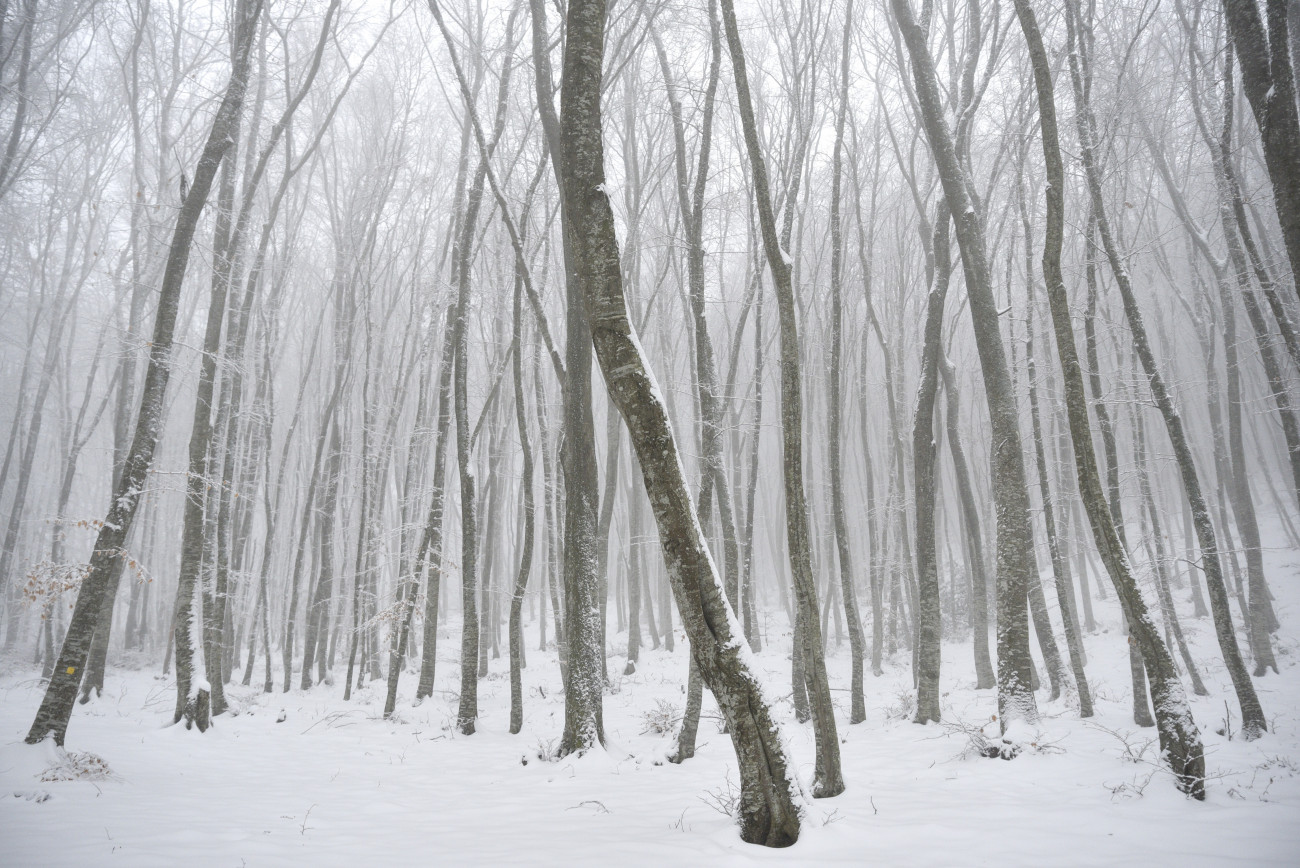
[307, 779]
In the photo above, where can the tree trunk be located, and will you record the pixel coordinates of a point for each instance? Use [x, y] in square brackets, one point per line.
[1179, 738]
[516, 630]
[1010, 493]
[828, 777]
[929, 627]
[848, 591]
[106, 560]
[768, 810]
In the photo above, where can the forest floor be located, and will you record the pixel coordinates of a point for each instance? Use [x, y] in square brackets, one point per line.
[308, 779]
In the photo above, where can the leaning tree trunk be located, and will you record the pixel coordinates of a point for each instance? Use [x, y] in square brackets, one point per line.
[713, 482]
[106, 560]
[1172, 624]
[769, 804]
[1261, 619]
[1269, 83]
[1015, 555]
[828, 777]
[1252, 714]
[196, 569]
[1179, 738]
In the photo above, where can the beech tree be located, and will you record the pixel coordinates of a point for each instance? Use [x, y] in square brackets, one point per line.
[106, 562]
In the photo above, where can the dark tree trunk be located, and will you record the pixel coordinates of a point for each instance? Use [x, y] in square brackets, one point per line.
[828, 776]
[106, 560]
[1179, 738]
[1269, 83]
[767, 810]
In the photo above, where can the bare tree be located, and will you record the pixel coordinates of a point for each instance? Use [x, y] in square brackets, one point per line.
[828, 777]
[1015, 543]
[768, 810]
[105, 567]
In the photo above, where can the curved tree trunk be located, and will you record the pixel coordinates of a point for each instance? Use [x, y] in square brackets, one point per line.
[768, 812]
[106, 560]
[1015, 561]
[828, 777]
[1179, 738]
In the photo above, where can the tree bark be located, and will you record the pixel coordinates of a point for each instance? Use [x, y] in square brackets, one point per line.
[828, 776]
[105, 566]
[768, 810]
[1179, 738]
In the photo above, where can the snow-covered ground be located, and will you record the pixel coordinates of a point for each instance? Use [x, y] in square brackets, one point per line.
[307, 779]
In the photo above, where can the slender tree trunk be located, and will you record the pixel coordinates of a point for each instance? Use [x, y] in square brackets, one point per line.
[848, 591]
[984, 678]
[828, 776]
[429, 560]
[1243, 504]
[752, 633]
[106, 560]
[635, 577]
[768, 808]
[1010, 492]
[1060, 567]
[924, 449]
[526, 546]
[1167, 609]
[1179, 738]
